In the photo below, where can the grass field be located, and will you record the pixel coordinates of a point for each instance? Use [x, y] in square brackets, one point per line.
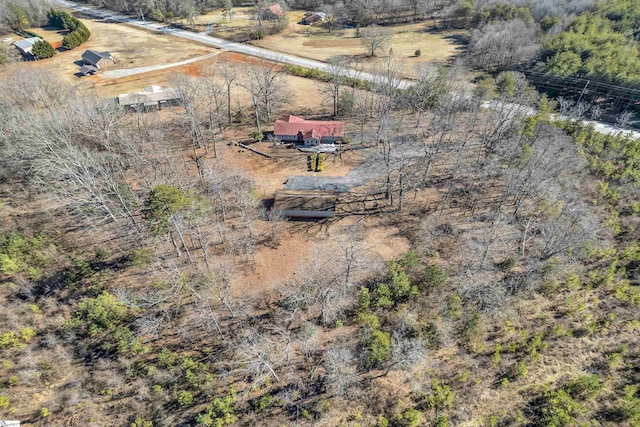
[437, 48]
[50, 34]
[129, 46]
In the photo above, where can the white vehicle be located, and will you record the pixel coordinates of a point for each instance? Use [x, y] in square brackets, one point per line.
[7, 40]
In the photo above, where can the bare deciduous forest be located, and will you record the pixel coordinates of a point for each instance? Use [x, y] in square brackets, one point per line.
[482, 267]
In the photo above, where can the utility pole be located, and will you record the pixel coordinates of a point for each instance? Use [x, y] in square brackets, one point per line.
[583, 91]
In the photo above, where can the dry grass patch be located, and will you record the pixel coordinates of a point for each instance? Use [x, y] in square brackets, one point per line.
[317, 43]
[131, 47]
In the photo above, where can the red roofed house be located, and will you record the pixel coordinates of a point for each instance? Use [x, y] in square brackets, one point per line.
[308, 132]
[273, 12]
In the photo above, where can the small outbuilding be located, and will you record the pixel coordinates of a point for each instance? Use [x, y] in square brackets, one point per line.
[25, 46]
[152, 96]
[273, 12]
[88, 70]
[305, 204]
[97, 59]
[313, 18]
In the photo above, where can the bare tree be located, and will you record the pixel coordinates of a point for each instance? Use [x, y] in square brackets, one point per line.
[336, 79]
[267, 88]
[259, 356]
[227, 8]
[503, 44]
[341, 369]
[374, 38]
[230, 75]
[216, 103]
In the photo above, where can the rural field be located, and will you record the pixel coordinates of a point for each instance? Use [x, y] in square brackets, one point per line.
[437, 47]
[129, 46]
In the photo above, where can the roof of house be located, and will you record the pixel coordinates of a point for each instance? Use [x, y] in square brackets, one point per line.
[26, 44]
[305, 203]
[314, 17]
[93, 56]
[317, 129]
[276, 9]
[150, 96]
[86, 69]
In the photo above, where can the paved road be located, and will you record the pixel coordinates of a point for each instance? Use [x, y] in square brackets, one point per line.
[222, 43]
[266, 53]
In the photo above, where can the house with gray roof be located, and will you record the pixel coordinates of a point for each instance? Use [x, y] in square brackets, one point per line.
[97, 59]
[25, 46]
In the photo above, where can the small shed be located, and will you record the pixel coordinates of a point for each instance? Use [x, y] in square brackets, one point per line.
[97, 59]
[152, 96]
[273, 12]
[25, 46]
[87, 70]
[305, 204]
[313, 18]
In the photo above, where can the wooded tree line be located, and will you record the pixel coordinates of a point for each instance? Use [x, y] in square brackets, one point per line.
[16, 15]
[573, 42]
[360, 12]
[78, 32]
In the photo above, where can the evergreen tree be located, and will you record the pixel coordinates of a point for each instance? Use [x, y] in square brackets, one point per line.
[43, 49]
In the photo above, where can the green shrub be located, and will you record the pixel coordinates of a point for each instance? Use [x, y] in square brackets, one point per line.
[4, 402]
[369, 319]
[556, 409]
[42, 49]
[257, 135]
[364, 300]
[382, 297]
[16, 340]
[382, 421]
[261, 403]
[185, 398]
[584, 387]
[409, 260]
[346, 103]
[409, 418]
[441, 421]
[141, 422]
[378, 348]
[19, 253]
[78, 34]
[163, 202]
[167, 358]
[401, 287]
[417, 53]
[441, 396]
[435, 277]
[629, 404]
[220, 413]
[100, 313]
[139, 257]
[519, 370]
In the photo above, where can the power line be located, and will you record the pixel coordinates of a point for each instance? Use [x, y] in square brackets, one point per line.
[580, 80]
